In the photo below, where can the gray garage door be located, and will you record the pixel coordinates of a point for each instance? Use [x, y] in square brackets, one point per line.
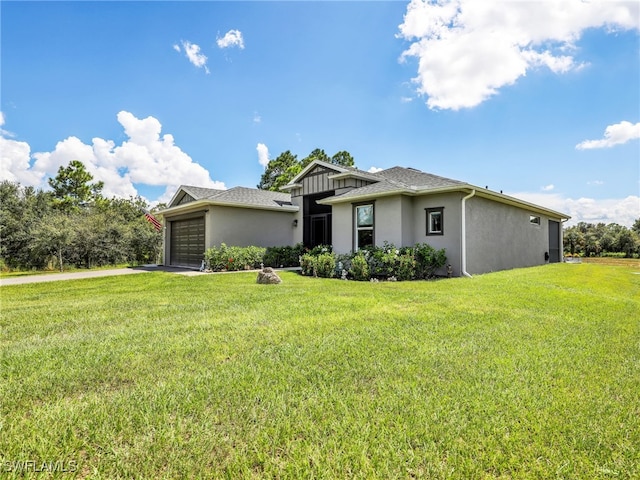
[187, 242]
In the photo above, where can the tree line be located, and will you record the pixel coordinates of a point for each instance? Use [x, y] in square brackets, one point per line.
[73, 225]
[595, 240]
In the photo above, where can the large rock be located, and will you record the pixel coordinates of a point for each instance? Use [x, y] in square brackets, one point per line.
[267, 276]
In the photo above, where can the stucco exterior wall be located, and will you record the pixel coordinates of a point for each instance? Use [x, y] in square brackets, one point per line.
[388, 221]
[342, 227]
[450, 240]
[243, 227]
[501, 237]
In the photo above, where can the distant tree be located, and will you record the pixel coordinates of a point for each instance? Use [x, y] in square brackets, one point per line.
[343, 159]
[592, 240]
[280, 171]
[636, 226]
[21, 208]
[72, 187]
[317, 154]
[286, 166]
[52, 237]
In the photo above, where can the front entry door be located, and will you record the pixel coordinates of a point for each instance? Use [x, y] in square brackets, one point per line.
[320, 233]
[554, 241]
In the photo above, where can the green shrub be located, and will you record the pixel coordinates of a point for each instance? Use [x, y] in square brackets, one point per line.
[613, 254]
[359, 267]
[405, 267]
[307, 262]
[428, 260]
[283, 256]
[325, 265]
[233, 258]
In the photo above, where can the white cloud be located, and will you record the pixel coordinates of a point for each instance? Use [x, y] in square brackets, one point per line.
[263, 154]
[176, 47]
[616, 134]
[375, 170]
[623, 211]
[548, 188]
[193, 53]
[146, 158]
[233, 38]
[467, 49]
[256, 118]
[595, 182]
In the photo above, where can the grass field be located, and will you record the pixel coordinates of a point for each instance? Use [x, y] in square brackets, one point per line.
[530, 373]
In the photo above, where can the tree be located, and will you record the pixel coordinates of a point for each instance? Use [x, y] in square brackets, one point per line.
[316, 154]
[286, 166]
[280, 171]
[52, 236]
[343, 158]
[72, 187]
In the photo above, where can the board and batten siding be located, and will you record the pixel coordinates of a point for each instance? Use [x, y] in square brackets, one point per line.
[318, 181]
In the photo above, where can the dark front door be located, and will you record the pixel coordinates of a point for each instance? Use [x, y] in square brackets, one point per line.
[316, 220]
[320, 229]
[554, 241]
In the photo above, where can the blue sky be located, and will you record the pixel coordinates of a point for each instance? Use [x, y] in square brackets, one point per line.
[538, 99]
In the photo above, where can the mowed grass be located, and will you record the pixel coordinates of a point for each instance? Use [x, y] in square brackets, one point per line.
[530, 373]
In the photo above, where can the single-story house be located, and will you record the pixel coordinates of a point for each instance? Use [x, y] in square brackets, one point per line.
[481, 230]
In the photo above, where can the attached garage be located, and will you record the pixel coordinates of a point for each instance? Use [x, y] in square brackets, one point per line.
[187, 242]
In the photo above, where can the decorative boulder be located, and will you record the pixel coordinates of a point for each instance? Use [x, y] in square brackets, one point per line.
[267, 276]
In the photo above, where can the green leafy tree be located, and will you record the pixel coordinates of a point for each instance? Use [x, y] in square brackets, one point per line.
[280, 171]
[343, 158]
[21, 208]
[72, 187]
[317, 154]
[286, 166]
[52, 237]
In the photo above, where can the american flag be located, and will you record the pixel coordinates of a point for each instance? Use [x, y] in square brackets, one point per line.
[150, 218]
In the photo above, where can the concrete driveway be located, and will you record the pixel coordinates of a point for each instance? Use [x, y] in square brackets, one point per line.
[55, 277]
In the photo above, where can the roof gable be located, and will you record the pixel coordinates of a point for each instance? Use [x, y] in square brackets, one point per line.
[309, 169]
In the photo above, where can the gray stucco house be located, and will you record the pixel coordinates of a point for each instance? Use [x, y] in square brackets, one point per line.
[481, 230]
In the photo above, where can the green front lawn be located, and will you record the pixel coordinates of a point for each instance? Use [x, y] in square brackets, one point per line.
[530, 373]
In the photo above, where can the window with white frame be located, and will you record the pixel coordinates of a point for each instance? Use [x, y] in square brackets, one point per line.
[363, 226]
[534, 220]
[435, 221]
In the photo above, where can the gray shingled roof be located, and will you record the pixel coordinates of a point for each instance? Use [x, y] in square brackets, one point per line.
[240, 196]
[410, 177]
[199, 193]
[252, 196]
[398, 179]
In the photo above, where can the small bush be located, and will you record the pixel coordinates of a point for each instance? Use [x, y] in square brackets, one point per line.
[359, 267]
[325, 265]
[306, 264]
[428, 260]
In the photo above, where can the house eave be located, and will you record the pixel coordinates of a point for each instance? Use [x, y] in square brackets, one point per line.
[290, 186]
[199, 204]
[356, 175]
[464, 188]
[516, 202]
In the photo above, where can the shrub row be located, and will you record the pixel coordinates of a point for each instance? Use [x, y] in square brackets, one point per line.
[228, 258]
[387, 262]
[233, 258]
[383, 263]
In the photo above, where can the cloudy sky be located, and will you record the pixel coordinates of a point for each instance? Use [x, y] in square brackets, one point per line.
[539, 99]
